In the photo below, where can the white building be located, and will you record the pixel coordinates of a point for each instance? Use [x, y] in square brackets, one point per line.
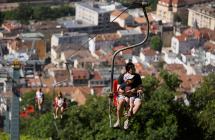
[203, 14]
[95, 13]
[183, 44]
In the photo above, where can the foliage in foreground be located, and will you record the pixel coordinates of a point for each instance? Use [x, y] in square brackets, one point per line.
[159, 118]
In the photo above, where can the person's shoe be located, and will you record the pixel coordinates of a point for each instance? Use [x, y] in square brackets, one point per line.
[126, 124]
[116, 125]
[61, 116]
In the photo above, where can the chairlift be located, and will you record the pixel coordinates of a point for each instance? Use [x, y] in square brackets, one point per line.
[143, 5]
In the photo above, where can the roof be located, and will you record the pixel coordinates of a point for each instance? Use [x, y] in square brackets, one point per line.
[69, 34]
[128, 51]
[79, 74]
[31, 35]
[148, 51]
[83, 53]
[180, 2]
[107, 37]
[176, 68]
[129, 32]
[206, 9]
[97, 75]
[61, 75]
[116, 13]
[208, 34]
[190, 81]
[209, 47]
[95, 6]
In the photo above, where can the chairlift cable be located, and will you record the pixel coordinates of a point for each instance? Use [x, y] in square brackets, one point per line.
[82, 45]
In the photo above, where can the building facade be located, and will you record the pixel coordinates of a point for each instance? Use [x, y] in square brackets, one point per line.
[203, 15]
[167, 9]
[69, 38]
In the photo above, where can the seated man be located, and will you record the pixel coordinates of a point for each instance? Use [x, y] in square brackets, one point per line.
[137, 82]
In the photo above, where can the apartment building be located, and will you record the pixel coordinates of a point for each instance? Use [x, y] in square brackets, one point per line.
[203, 15]
[93, 17]
[166, 9]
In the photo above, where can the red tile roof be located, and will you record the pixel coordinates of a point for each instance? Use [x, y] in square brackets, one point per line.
[176, 68]
[148, 52]
[129, 51]
[79, 74]
[117, 13]
[190, 81]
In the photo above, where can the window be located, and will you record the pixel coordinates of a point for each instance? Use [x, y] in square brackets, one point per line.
[1, 87]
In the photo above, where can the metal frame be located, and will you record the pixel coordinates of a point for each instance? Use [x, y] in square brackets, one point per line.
[143, 6]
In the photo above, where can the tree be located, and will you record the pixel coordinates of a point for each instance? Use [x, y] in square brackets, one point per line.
[24, 13]
[159, 118]
[203, 106]
[150, 84]
[153, 4]
[171, 80]
[156, 43]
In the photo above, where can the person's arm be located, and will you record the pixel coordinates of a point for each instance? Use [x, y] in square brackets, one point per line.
[120, 82]
[140, 86]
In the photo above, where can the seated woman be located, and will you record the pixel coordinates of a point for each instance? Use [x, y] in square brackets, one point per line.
[135, 90]
[39, 99]
[59, 105]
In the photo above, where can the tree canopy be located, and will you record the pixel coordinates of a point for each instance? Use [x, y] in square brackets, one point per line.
[159, 118]
[156, 43]
[25, 12]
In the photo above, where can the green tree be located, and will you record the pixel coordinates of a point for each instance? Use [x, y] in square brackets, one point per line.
[203, 105]
[171, 80]
[156, 43]
[153, 4]
[150, 84]
[24, 13]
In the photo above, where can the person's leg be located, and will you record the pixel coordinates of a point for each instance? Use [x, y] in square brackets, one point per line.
[39, 104]
[56, 112]
[137, 105]
[131, 104]
[120, 105]
[61, 112]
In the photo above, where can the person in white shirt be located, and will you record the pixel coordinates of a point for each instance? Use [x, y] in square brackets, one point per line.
[59, 105]
[39, 99]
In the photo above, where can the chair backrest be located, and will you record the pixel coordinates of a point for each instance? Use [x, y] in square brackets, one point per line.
[115, 92]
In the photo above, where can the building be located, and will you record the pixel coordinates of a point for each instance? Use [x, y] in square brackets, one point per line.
[130, 36]
[69, 38]
[95, 13]
[93, 17]
[123, 20]
[203, 15]
[167, 9]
